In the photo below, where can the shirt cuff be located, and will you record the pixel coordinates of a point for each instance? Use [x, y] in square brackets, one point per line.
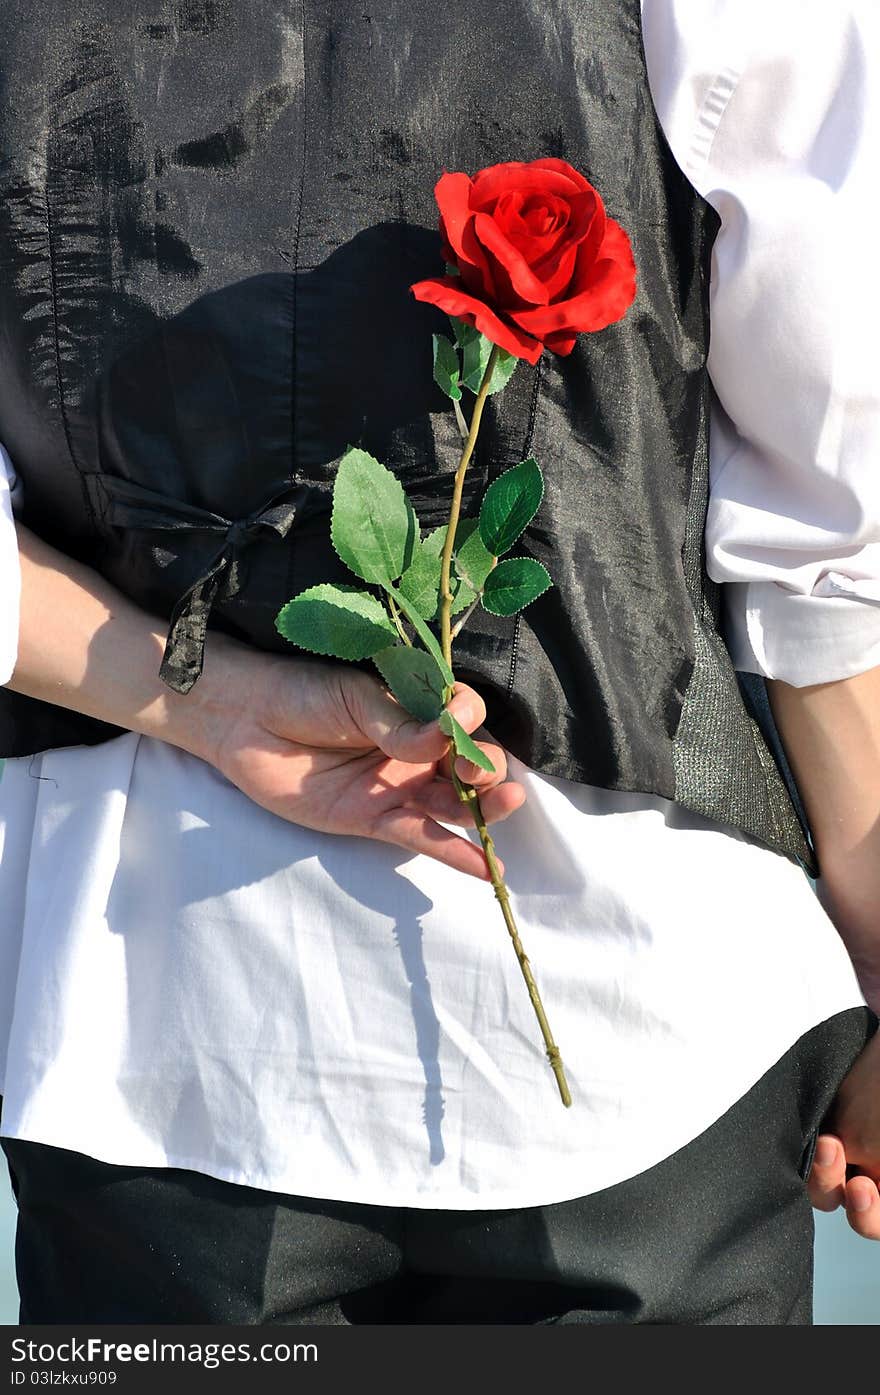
[10, 573]
[801, 639]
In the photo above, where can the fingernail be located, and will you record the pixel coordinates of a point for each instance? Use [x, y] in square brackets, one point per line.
[826, 1152]
[861, 1201]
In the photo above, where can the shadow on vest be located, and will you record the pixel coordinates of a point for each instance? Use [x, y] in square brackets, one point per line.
[270, 378]
[219, 435]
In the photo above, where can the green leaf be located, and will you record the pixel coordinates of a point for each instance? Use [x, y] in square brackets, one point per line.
[338, 620]
[446, 366]
[513, 584]
[462, 594]
[475, 351]
[463, 744]
[414, 679]
[428, 639]
[509, 504]
[420, 582]
[473, 560]
[373, 526]
[433, 541]
[503, 372]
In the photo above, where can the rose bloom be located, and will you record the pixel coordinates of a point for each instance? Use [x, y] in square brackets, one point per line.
[538, 260]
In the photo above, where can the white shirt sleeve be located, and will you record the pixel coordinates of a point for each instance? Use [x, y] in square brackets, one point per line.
[773, 113]
[10, 571]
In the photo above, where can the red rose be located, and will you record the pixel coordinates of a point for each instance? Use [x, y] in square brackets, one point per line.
[538, 260]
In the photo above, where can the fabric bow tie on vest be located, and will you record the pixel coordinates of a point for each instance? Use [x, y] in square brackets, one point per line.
[130, 505]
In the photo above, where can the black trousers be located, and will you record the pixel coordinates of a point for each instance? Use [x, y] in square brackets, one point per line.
[719, 1233]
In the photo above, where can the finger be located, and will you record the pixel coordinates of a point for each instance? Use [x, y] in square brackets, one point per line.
[467, 706]
[469, 710]
[827, 1179]
[440, 801]
[863, 1207]
[410, 829]
[473, 774]
[394, 730]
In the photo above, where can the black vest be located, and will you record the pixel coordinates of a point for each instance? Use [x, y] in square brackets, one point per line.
[211, 215]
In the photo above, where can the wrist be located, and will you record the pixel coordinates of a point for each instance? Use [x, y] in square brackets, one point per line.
[86, 646]
[851, 903]
[200, 721]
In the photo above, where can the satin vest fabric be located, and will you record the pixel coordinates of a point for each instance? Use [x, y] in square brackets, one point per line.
[211, 215]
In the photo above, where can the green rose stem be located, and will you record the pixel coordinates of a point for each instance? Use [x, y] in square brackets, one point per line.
[395, 616]
[466, 793]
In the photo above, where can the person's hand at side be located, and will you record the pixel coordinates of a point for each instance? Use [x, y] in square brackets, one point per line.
[846, 1165]
[315, 742]
[831, 734]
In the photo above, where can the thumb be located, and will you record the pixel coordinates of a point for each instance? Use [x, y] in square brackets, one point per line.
[388, 725]
[827, 1179]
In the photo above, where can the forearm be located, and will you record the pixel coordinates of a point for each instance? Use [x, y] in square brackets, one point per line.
[83, 645]
[831, 734]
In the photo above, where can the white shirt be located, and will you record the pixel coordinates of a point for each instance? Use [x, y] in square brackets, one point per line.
[187, 980]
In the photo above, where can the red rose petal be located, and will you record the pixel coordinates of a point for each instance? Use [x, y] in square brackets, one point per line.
[481, 282]
[608, 291]
[545, 219]
[538, 261]
[501, 295]
[525, 283]
[617, 246]
[541, 284]
[582, 239]
[550, 162]
[513, 201]
[535, 215]
[452, 192]
[446, 293]
[561, 344]
[587, 227]
[556, 270]
[535, 225]
[489, 185]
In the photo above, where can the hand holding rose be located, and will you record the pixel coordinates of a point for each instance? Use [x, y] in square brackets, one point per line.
[851, 1145]
[328, 748]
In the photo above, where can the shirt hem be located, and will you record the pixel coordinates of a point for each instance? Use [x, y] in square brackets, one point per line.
[393, 1196]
